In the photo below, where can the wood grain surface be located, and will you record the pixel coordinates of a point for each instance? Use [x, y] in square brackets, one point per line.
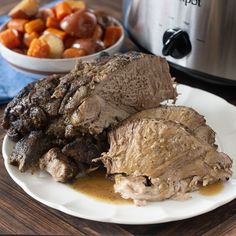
[20, 214]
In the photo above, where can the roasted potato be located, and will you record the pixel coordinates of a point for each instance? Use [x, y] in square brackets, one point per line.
[74, 52]
[90, 45]
[55, 44]
[80, 24]
[25, 9]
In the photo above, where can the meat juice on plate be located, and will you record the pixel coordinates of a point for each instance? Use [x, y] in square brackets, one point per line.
[212, 189]
[97, 186]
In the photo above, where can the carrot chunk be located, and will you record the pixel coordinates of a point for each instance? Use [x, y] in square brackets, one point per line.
[36, 25]
[10, 38]
[52, 22]
[62, 9]
[74, 52]
[17, 24]
[112, 34]
[59, 33]
[39, 48]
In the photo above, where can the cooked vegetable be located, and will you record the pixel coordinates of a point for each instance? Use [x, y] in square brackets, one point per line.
[98, 32]
[80, 24]
[104, 20]
[28, 38]
[36, 25]
[17, 24]
[59, 33]
[55, 44]
[39, 48]
[52, 22]
[90, 45]
[25, 9]
[68, 25]
[75, 5]
[62, 9]
[10, 38]
[74, 52]
[112, 34]
[69, 41]
[46, 12]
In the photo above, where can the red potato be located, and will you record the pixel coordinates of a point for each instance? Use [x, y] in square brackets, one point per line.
[69, 40]
[74, 52]
[80, 24]
[55, 44]
[25, 9]
[103, 19]
[90, 45]
[76, 5]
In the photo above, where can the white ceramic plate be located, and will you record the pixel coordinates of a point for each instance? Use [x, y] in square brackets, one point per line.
[220, 115]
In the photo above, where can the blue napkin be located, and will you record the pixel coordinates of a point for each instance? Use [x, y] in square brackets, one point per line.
[11, 79]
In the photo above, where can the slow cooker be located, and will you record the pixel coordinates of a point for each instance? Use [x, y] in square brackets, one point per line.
[196, 36]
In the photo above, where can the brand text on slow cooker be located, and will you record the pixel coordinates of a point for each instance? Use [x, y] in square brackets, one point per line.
[193, 2]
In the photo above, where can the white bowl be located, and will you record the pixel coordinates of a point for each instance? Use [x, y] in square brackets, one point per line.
[48, 66]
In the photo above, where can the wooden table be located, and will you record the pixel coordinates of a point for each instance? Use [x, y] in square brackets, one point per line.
[20, 214]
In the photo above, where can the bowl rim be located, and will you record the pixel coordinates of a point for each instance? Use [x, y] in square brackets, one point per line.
[118, 42]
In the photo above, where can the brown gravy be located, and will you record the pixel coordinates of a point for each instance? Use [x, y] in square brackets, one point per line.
[212, 189]
[97, 186]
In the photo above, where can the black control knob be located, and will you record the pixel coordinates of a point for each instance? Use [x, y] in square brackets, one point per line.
[176, 43]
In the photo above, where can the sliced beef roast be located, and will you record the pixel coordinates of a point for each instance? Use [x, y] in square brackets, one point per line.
[112, 88]
[93, 96]
[160, 159]
[183, 115]
[78, 108]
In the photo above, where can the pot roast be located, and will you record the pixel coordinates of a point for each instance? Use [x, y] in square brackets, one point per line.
[68, 116]
[159, 154]
[108, 112]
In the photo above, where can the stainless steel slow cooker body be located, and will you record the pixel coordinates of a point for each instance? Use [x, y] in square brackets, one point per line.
[198, 35]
